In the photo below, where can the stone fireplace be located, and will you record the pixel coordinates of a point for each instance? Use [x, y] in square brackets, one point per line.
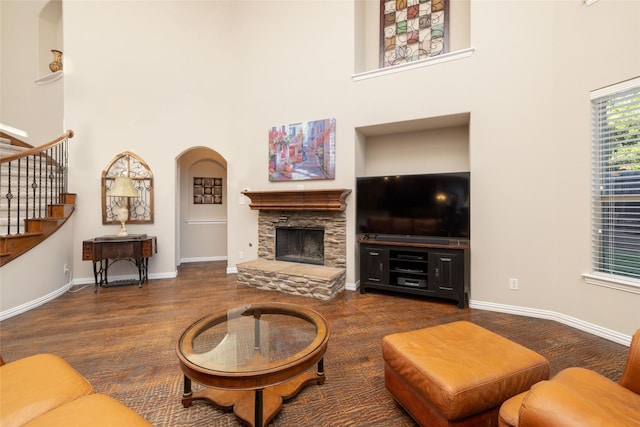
[333, 225]
[314, 262]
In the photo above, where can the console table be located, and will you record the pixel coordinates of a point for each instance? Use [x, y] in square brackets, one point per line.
[106, 250]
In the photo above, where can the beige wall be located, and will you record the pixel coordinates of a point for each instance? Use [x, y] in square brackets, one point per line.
[530, 152]
[171, 73]
[37, 277]
[24, 58]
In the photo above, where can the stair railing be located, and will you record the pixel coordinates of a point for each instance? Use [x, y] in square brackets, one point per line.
[29, 181]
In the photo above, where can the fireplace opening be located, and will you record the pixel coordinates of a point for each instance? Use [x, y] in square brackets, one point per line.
[304, 245]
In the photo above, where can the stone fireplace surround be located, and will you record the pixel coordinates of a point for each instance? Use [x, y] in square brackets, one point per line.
[299, 209]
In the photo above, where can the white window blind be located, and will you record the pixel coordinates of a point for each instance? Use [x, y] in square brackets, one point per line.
[616, 180]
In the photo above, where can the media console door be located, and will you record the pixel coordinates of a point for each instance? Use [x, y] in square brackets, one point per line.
[447, 271]
[374, 265]
[429, 270]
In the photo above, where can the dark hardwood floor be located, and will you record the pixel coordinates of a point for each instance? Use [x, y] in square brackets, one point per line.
[123, 340]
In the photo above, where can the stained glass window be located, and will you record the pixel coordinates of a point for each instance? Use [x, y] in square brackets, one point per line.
[412, 30]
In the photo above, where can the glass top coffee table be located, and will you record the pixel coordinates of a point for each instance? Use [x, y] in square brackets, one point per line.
[253, 357]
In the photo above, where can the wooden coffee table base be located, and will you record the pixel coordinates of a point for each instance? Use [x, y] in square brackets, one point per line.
[245, 402]
[256, 386]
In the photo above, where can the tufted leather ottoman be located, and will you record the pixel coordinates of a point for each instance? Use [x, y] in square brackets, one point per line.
[457, 374]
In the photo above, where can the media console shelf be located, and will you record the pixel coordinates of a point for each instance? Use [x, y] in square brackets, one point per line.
[432, 270]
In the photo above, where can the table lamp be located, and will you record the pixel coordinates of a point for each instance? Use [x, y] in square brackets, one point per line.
[123, 188]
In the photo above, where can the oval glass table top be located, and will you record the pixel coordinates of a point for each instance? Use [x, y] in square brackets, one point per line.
[254, 339]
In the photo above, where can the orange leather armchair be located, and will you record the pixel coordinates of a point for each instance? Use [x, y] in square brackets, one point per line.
[45, 391]
[580, 397]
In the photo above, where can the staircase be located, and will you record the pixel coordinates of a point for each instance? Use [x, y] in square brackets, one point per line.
[34, 201]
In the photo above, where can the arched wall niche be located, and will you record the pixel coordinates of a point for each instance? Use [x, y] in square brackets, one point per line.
[49, 34]
[202, 228]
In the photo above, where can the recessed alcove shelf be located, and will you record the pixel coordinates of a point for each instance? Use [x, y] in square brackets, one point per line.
[445, 57]
[49, 78]
[434, 144]
[416, 125]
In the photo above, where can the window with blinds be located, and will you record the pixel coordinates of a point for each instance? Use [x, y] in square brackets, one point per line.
[616, 180]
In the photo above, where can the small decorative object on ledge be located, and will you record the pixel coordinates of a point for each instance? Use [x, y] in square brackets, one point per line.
[56, 65]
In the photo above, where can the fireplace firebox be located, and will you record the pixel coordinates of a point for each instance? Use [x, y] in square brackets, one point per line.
[303, 245]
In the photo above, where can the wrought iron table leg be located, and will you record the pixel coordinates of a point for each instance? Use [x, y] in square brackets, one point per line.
[95, 277]
[106, 268]
[145, 270]
[321, 376]
[140, 265]
[258, 409]
[187, 393]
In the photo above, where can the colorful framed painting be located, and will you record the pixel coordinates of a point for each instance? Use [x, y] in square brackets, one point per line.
[303, 151]
[411, 30]
[207, 191]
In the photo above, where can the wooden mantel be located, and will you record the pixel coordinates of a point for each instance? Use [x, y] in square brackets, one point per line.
[299, 200]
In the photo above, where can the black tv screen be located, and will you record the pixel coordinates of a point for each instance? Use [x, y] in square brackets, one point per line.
[425, 205]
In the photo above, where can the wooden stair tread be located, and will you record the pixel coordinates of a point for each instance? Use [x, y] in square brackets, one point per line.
[14, 245]
[22, 235]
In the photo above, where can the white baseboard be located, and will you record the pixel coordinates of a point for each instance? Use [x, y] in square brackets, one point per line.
[33, 304]
[203, 259]
[352, 286]
[558, 317]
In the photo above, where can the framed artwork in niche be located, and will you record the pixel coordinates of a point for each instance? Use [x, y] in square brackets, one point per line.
[303, 151]
[207, 191]
[411, 30]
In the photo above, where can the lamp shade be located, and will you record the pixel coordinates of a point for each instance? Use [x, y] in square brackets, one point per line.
[123, 187]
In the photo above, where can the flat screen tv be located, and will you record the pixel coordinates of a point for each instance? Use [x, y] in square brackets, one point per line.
[414, 207]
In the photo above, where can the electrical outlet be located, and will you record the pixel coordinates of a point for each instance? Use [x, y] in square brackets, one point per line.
[513, 284]
[241, 255]
[65, 268]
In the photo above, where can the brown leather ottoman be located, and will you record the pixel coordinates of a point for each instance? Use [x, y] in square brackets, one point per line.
[457, 374]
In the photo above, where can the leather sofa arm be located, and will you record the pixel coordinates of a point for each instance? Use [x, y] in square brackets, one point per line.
[579, 397]
[631, 375]
[550, 403]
